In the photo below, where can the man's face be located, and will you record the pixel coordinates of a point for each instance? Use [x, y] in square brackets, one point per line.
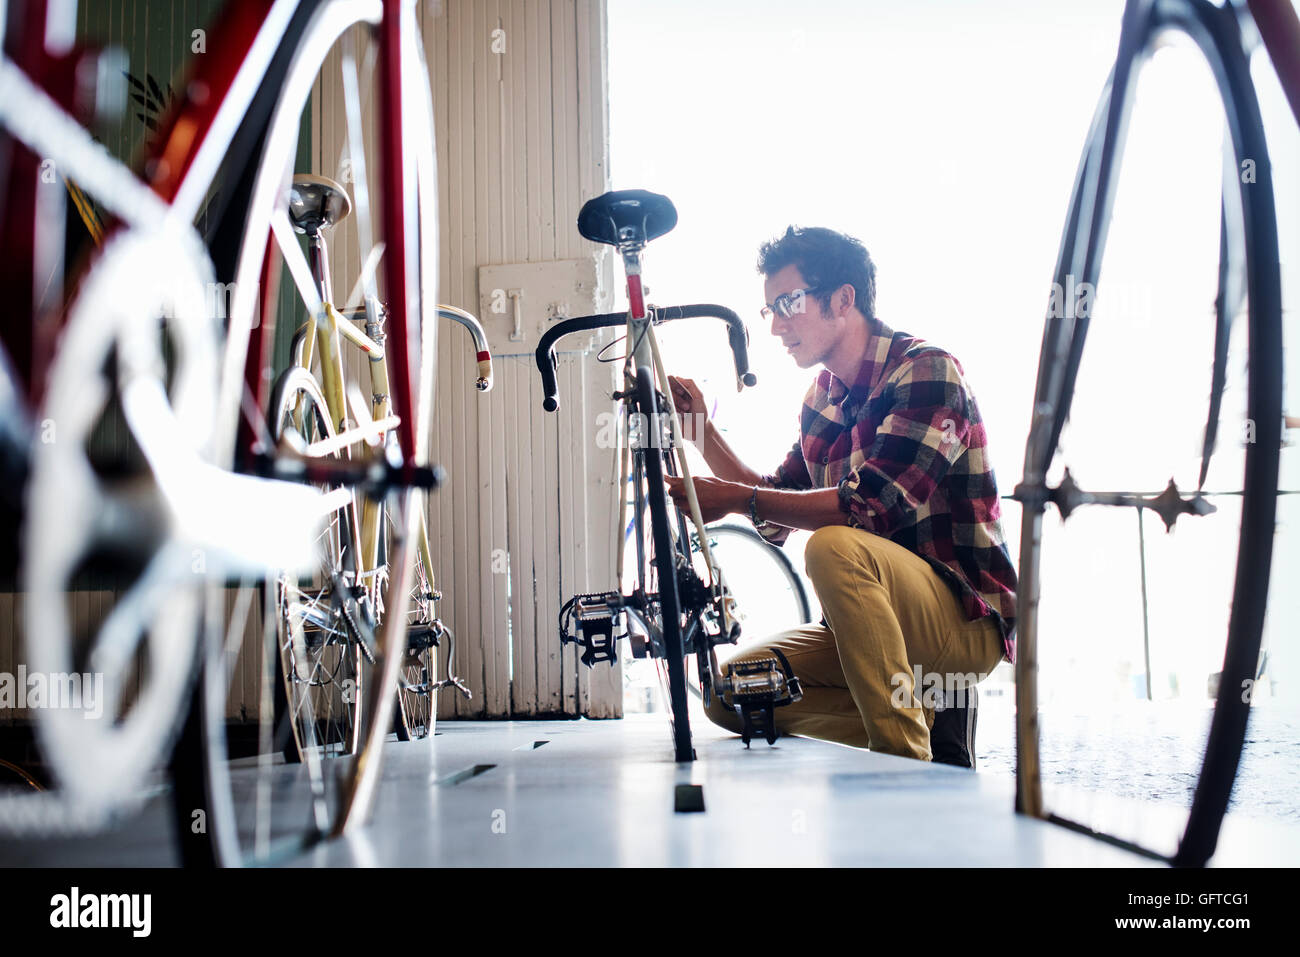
[809, 335]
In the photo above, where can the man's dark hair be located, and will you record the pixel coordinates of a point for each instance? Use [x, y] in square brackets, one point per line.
[826, 260]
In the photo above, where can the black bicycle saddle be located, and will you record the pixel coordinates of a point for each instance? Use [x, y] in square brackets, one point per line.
[627, 217]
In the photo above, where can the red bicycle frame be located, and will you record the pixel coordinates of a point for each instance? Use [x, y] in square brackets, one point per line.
[180, 162]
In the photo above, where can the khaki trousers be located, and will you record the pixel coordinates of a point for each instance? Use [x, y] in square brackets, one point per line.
[889, 613]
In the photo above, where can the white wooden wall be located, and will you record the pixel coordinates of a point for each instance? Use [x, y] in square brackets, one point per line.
[527, 517]
[522, 144]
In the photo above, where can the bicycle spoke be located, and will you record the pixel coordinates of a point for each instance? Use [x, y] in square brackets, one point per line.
[299, 268]
[365, 281]
[360, 182]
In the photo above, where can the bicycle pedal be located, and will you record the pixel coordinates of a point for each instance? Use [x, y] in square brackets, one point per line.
[758, 721]
[422, 637]
[595, 619]
[758, 687]
[765, 679]
[598, 641]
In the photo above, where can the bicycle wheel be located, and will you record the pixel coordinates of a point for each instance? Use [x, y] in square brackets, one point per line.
[317, 619]
[348, 52]
[1248, 238]
[770, 595]
[417, 693]
[664, 559]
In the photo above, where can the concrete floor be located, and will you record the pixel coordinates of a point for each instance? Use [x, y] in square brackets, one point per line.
[602, 794]
[566, 793]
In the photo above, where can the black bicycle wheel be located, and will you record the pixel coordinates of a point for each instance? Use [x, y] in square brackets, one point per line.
[773, 573]
[770, 595]
[665, 562]
[1216, 33]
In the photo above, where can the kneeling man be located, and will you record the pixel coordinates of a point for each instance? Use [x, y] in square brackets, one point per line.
[891, 472]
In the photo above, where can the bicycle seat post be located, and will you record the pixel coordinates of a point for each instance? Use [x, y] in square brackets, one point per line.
[316, 202]
[637, 317]
[632, 270]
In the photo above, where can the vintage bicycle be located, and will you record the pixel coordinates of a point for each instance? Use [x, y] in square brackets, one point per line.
[325, 627]
[677, 594]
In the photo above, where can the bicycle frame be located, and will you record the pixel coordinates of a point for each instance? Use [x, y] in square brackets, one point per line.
[757, 690]
[325, 341]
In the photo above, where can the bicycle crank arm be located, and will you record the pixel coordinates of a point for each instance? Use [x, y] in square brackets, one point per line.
[274, 525]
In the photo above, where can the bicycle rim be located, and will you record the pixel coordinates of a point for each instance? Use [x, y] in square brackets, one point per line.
[664, 560]
[1216, 34]
[417, 698]
[770, 595]
[319, 658]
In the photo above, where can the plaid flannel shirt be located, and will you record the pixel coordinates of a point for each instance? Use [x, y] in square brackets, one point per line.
[907, 449]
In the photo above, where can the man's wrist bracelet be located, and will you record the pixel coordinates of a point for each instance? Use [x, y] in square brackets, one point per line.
[753, 507]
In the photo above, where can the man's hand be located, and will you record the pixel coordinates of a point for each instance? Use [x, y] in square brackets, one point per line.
[692, 413]
[717, 498]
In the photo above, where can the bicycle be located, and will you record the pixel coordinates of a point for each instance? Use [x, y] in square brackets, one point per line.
[683, 606]
[1248, 260]
[325, 631]
[208, 502]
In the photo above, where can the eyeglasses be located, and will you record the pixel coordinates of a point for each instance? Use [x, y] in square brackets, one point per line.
[788, 305]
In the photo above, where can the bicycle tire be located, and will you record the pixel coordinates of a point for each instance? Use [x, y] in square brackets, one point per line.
[665, 561]
[417, 701]
[1216, 34]
[321, 683]
[778, 555]
[795, 611]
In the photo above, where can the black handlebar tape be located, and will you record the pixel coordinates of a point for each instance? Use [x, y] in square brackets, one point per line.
[737, 337]
[737, 334]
